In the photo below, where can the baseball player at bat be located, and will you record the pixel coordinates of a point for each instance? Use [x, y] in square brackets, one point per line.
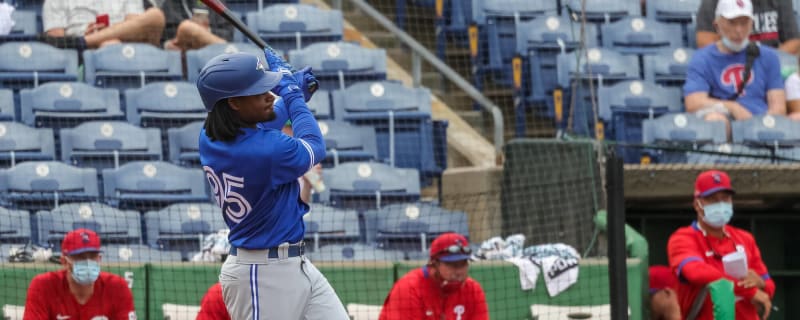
[253, 169]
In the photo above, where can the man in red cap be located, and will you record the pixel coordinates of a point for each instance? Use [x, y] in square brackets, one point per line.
[663, 297]
[441, 289]
[696, 254]
[79, 291]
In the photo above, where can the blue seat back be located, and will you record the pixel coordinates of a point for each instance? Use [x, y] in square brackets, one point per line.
[637, 96]
[320, 105]
[354, 252]
[184, 146]
[482, 10]
[605, 10]
[24, 23]
[347, 142]
[370, 182]
[329, 59]
[673, 11]
[71, 100]
[22, 65]
[611, 65]
[184, 223]
[7, 110]
[196, 59]
[145, 182]
[294, 26]
[104, 144]
[25, 142]
[15, 226]
[164, 102]
[130, 65]
[405, 225]
[326, 225]
[730, 154]
[683, 128]
[111, 224]
[637, 35]
[668, 67]
[48, 177]
[380, 97]
[766, 130]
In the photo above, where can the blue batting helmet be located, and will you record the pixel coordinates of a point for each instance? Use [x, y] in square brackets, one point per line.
[234, 75]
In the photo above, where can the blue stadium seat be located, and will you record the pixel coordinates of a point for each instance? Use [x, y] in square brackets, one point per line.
[19, 143]
[181, 227]
[668, 67]
[682, 130]
[451, 24]
[164, 104]
[23, 65]
[7, 110]
[111, 224]
[15, 226]
[130, 65]
[184, 144]
[638, 35]
[604, 11]
[153, 185]
[623, 106]
[770, 131]
[786, 155]
[340, 64]
[66, 104]
[354, 252]
[320, 105]
[730, 154]
[42, 185]
[412, 226]
[251, 5]
[360, 185]
[25, 26]
[673, 11]
[196, 59]
[295, 26]
[401, 117]
[327, 225]
[347, 142]
[138, 253]
[101, 145]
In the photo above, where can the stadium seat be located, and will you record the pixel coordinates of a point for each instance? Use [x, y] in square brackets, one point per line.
[673, 11]
[320, 105]
[164, 104]
[137, 253]
[184, 144]
[295, 26]
[250, 5]
[42, 185]
[130, 65]
[66, 104]
[668, 67]
[181, 227]
[354, 252]
[25, 27]
[451, 24]
[196, 59]
[369, 185]
[22, 65]
[19, 143]
[340, 64]
[401, 117]
[7, 110]
[327, 225]
[638, 35]
[604, 11]
[153, 185]
[412, 226]
[15, 226]
[101, 145]
[347, 142]
[683, 130]
[111, 224]
[729, 154]
[769, 131]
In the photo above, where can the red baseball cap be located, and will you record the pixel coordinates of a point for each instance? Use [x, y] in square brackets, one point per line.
[79, 241]
[450, 247]
[712, 181]
[661, 277]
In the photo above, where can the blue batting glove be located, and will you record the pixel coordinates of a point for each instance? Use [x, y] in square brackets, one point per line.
[275, 61]
[306, 81]
[288, 85]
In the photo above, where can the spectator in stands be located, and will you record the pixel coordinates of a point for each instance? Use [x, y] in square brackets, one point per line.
[79, 290]
[774, 25]
[793, 95]
[696, 254]
[98, 23]
[663, 295]
[190, 26]
[441, 289]
[212, 307]
[715, 86]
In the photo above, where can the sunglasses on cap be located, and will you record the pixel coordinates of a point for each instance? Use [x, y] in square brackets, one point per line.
[457, 248]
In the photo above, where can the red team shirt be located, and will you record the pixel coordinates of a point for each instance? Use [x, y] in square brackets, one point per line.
[49, 298]
[695, 259]
[417, 296]
[213, 307]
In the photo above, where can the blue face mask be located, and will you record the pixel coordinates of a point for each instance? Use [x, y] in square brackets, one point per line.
[718, 214]
[85, 272]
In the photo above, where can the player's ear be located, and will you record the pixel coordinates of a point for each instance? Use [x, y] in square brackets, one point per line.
[233, 103]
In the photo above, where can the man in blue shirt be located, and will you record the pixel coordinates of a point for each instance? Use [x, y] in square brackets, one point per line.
[253, 168]
[717, 71]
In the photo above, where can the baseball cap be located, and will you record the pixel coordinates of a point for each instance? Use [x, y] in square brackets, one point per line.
[711, 181]
[730, 9]
[661, 277]
[450, 247]
[79, 241]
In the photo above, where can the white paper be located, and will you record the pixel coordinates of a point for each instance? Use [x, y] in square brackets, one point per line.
[735, 264]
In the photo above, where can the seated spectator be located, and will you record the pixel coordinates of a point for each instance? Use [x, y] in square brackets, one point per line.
[774, 25]
[192, 27]
[102, 22]
[718, 85]
[793, 95]
[663, 294]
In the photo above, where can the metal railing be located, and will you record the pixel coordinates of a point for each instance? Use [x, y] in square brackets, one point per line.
[419, 51]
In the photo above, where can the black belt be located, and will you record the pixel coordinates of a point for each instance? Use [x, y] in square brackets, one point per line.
[294, 250]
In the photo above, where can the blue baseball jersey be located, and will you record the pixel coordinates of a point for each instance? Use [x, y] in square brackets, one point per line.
[719, 74]
[254, 177]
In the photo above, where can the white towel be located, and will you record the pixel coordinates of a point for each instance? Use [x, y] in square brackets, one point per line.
[528, 272]
[559, 273]
[6, 23]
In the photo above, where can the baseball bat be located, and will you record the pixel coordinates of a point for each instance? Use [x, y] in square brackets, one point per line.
[226, 13]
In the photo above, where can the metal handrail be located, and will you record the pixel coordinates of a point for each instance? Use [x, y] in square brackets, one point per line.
[418, 50]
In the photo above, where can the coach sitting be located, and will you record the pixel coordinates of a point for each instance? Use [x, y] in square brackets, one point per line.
[734, 79]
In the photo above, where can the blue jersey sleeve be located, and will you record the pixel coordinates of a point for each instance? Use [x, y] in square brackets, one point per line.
[306, 149]
[772, 68]
[695, 77]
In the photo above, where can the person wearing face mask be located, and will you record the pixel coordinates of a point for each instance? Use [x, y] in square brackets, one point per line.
[79, 291]
[441, 289]
[696, 255]
[715, 87]
[774, 25]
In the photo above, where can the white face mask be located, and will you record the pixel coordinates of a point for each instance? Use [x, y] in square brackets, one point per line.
[717, 214]
[735, 47]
